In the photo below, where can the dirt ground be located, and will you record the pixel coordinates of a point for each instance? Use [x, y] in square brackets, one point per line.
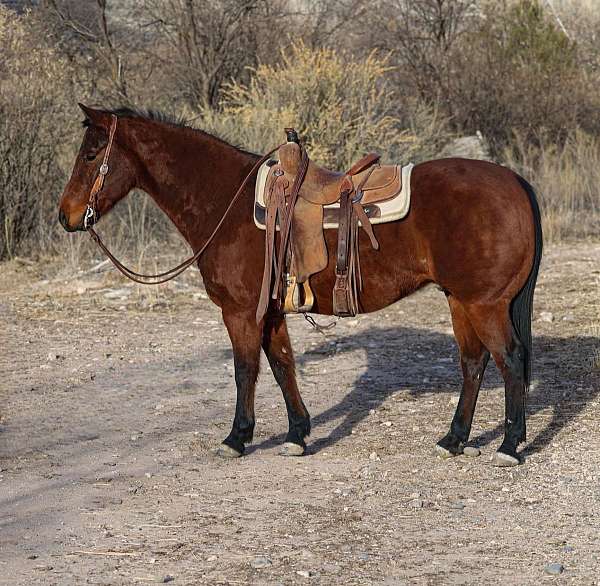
[113, 401]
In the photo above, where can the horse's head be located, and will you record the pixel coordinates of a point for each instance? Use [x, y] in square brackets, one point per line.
[112, 183]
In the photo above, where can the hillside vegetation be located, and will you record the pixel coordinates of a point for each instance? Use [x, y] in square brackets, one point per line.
[404, 78]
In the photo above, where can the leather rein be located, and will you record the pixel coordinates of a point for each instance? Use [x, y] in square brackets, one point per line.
[91, 216]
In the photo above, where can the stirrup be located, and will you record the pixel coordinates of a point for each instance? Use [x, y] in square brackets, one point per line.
[298, 299]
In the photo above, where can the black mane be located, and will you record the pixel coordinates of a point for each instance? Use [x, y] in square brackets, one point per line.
[172, 119]
[126, 112]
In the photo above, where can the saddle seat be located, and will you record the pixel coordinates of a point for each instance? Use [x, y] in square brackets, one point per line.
[324, 187]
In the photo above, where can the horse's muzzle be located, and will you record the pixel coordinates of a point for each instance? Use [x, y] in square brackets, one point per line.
[62, 218]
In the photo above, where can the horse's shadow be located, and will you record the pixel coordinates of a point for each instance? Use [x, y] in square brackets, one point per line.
[558, 383]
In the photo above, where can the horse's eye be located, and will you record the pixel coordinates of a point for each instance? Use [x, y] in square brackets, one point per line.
[90, 156]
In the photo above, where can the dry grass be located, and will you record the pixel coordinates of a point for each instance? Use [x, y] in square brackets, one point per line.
[566, 179]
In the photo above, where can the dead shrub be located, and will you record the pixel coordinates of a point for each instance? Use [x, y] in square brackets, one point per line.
[34, 84]
[340, 116]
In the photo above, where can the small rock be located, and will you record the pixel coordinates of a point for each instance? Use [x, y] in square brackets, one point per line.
[416, 504]
[332, 568]
[304, 573]
[554, 569]
[473, 146]
[471, 451]
[43, 568]
[458, 505]
[168, 578]
[373, 457]
[211, 558]
[148, 475]
[363, 556]
[118, 294]
[546, 316]
[261, 561]
[568, 549]
[32, 557]
[368, 471]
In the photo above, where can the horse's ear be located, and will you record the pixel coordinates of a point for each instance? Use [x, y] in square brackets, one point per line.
[96, 117]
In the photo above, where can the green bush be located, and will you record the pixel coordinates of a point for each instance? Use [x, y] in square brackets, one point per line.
[519, 72]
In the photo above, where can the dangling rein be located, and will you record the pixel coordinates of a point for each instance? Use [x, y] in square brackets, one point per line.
[91, 215]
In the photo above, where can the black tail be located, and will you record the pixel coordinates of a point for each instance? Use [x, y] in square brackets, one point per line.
[522, 305]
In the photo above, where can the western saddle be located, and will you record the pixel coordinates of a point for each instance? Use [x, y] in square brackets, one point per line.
[296, 193]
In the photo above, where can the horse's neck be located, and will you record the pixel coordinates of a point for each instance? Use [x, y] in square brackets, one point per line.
[192, 177]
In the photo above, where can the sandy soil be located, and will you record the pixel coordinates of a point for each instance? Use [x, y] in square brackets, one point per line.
[113, 402]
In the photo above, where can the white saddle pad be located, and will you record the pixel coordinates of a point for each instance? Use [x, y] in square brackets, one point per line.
[390, 210]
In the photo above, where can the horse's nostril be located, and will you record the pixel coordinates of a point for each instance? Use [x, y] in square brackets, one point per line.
[62, 218]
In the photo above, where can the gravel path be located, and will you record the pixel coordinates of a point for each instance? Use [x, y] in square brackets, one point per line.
[112, 401]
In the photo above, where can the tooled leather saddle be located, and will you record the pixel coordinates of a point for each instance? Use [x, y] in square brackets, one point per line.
[300, 200]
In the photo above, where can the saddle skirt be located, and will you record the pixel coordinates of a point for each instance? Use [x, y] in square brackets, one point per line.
[386, 195]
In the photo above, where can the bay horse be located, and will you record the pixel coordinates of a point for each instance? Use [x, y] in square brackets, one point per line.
[473, 229]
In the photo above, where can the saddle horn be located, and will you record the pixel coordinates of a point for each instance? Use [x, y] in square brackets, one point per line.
[292, 135]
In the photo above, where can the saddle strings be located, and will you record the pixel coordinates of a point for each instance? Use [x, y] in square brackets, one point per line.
[284, 237]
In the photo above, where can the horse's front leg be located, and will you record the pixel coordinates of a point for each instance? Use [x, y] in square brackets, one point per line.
[245, 337]
[277, 347]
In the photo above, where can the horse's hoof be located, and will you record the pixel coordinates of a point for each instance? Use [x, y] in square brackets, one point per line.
[228, 452]
[504, 460]
[291, 449]
[443, 453]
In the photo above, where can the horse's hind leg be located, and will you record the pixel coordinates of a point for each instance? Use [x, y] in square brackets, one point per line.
[245, 340]
[495, 329]
[473, 360]
[277, 347]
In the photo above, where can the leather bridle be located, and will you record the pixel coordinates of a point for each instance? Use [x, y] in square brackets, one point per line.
[91, 211]
[91, 216]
